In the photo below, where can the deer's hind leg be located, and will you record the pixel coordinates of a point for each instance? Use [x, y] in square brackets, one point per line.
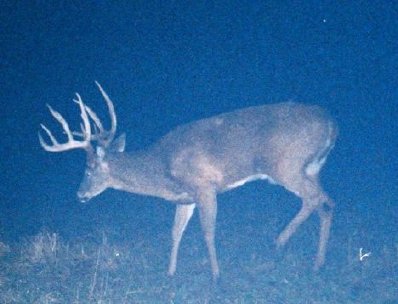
[325, 216]
[313, 198]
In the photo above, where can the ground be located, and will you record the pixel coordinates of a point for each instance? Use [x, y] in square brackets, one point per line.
[108, 266]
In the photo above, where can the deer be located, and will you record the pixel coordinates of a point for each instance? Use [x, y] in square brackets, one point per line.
[284, 143]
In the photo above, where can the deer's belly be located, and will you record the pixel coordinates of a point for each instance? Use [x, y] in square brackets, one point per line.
[248, 179]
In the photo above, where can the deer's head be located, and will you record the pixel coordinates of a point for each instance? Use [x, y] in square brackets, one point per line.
[97, 143]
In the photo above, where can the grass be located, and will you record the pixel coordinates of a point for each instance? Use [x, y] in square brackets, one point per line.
[126, 262]
[96, 269]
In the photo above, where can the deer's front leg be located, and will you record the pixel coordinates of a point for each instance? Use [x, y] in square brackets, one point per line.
[207, 204]
[181, 219]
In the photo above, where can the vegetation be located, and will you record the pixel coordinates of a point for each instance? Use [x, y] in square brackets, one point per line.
[96, 269]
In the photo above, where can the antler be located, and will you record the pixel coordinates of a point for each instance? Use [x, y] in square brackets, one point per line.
[105, 137]
[101, 135]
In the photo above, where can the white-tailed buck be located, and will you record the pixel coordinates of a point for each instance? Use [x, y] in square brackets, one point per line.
[285, 143]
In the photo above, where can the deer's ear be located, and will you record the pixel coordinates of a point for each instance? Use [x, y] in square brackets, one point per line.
[119, 144]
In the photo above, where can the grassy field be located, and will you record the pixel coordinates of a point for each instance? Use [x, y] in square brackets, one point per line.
[97, 269]
[122, 256]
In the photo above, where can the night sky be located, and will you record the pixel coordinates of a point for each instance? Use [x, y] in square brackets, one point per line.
[165, 63]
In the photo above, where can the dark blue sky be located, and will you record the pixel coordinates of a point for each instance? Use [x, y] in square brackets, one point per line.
[165, 63]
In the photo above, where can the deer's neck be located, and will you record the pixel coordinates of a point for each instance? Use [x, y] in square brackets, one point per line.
[144, 174]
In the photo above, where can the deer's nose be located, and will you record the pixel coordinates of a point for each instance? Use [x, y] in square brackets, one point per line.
[82, 197]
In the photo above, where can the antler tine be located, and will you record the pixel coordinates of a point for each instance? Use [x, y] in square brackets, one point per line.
[86, 129]
[52, 138]
[99, 129]
[112, 114]
[63, 123]
[71, 143]
[86, 113]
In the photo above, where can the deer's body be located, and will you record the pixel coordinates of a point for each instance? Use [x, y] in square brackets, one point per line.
[225, 151]
[285, 143]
